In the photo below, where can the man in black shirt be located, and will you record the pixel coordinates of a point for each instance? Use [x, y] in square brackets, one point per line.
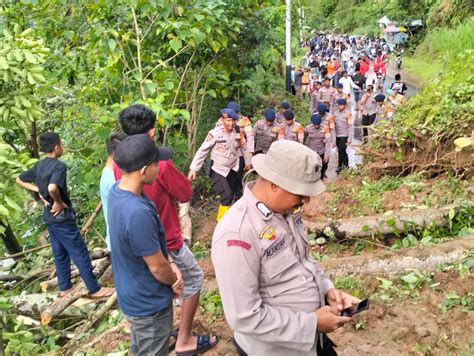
[48, 178]
[399, 85]
[358, 80]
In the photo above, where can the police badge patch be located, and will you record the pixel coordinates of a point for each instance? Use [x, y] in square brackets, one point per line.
[268, 233]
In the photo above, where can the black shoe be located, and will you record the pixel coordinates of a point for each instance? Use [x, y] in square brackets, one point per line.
[338, 170]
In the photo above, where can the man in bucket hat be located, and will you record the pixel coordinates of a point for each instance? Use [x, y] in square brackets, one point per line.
[272, 291]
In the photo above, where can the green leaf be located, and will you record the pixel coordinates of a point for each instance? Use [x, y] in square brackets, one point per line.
[451, 214]
[112, 44]
[12, 203]
[176, 44]
[410, 278]
[4, 211]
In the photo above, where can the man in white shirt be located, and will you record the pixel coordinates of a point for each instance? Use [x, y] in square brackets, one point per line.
[347, 83]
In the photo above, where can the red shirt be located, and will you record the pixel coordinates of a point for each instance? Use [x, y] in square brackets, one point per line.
[169, 187]
[364, 67]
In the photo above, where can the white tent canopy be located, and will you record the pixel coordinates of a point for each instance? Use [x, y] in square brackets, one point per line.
[384, 21]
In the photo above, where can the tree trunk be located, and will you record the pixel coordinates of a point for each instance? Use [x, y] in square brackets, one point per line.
[8, 237]
[78, 291]
[389, 262]
[381, 225]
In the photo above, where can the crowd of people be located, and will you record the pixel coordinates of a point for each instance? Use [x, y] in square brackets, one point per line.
[275, 298]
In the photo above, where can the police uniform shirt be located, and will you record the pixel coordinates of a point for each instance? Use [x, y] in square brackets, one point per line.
[225, 148]
[325, 94]
[269, 285]
[293, 132]
[265, 133]
[318, 138]
[383, 112]
[344, 123]
[369, 104]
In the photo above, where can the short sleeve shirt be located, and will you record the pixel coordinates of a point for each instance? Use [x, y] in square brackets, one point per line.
[136, 232]
[48, 171]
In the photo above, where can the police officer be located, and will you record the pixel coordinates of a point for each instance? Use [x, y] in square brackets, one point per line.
[384, 109]
[284, 106]
[273, 293]
[326, 92]
[244, 129]
[290, 129]
[344, 131]
[265, 131]
[313, 106]
[319, 140]
[368, 107]
[225, 145]
[338, 94]
[328, 119]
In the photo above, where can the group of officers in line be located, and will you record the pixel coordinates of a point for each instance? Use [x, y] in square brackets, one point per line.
[234, 140]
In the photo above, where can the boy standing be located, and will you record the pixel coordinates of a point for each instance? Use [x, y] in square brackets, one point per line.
[145, 275]
[48, 178]
[107, 178]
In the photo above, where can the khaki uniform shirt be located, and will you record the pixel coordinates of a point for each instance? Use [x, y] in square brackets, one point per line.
[325, 95]
[295, 132]
[265, 134]
[344, 123]
[225, 149]
[368, 103]
[313, 106]
[328, 120]
[383, 112]
[279, 118]
[335, 98]
[319, 138]
[269, 285]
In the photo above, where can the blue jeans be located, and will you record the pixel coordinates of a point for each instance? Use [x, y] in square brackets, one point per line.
[67, 243]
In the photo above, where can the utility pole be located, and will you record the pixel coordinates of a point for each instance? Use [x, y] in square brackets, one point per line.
[288, 45]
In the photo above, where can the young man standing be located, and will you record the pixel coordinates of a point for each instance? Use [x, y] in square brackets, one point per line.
[107, 178]
[48, 178]
[291, 129]
[319, 140]
[169, 187]
[344, 132]
[145, 275]
[265, 131]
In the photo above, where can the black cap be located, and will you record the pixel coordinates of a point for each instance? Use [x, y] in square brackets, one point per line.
[138, 151]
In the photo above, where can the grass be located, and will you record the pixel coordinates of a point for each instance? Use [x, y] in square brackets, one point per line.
[425, 70]
[440, 45]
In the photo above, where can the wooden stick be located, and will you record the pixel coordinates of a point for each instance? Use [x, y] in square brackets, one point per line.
[91, 219]
[98, 315]
[77, 292]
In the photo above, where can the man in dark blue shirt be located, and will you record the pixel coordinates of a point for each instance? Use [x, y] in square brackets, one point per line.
[48, 179]
[145, 275]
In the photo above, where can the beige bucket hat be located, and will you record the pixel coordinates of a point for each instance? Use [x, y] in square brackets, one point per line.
[292, 166]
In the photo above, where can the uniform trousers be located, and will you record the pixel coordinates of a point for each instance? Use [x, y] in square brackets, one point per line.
[324, 166]
[341, 143]
[67, 243]
[227, 187]
[367, 120]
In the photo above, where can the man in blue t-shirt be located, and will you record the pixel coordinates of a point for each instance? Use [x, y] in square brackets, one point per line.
[145, 275]
[107, 178]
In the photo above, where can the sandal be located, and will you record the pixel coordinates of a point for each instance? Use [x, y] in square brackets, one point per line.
[174, 334]
[203, 344]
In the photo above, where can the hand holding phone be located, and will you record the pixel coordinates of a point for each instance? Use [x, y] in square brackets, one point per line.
[357, 308]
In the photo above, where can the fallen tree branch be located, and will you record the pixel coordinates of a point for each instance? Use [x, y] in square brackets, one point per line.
[44, 234]
[379, 225]
[97, 316]
[53, 283]
[90, 345]
[389, 262]
[78, 291]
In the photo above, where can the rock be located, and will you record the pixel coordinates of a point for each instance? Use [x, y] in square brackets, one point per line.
[321, 241]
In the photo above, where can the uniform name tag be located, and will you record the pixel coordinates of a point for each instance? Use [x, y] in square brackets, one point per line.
[275, 248]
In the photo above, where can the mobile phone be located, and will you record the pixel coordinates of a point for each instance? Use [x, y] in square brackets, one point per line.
[363, 305]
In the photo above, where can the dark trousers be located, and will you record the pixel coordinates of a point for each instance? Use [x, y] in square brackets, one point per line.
[367, 120]
[239, 189]
[67, 243]
[324, 167]
[227, 187]
[341, 143]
